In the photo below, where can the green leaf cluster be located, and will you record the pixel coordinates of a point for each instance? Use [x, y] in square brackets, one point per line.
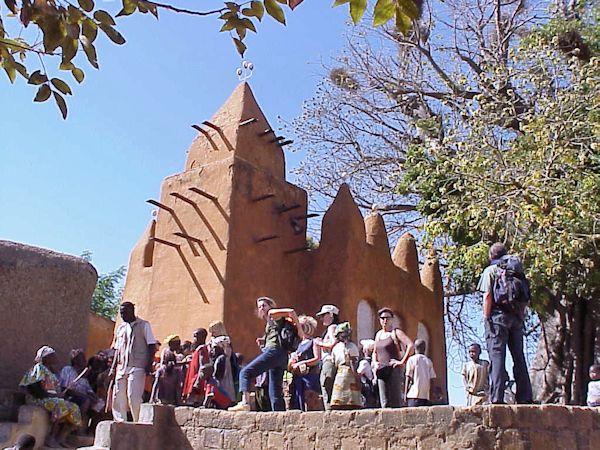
[403, 11]
[108, 292]
[538, 189]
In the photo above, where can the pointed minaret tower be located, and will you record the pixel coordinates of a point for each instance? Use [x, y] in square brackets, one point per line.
[228, 230]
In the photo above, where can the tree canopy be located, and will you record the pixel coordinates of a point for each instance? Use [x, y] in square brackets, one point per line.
[479, 125]
[41, 38]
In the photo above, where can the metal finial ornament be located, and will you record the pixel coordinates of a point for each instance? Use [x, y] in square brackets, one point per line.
[245, 71]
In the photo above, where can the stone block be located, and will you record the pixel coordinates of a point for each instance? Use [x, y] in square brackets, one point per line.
[183, 415]
[581, 418]
[553, 416]
[269, 421]
[300, 442]
[440, 414]
[513, 440]
[375, 442]
[293, 418]
[499, 416]
[243, 420]
[566, 439]
[224, 419]
[339, 418]
[430, 443]
[276, 440]
[351, 443]
[155, 414]
[407, 416]
[529, 416]
[232, 439]
[314, 419]
[213, 438]
[327, 440]
[366, 417]
[469, 415]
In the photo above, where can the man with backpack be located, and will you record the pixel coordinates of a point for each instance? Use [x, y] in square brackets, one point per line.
[505, 297]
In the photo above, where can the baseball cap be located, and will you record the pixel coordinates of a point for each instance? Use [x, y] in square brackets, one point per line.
[328, 309]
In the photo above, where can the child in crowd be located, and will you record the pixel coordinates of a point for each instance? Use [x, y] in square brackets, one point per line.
[214, 396]
[419, 373]
[346, 386]
[367, 375]
[593, 396]
[475, 375]
[169, 380]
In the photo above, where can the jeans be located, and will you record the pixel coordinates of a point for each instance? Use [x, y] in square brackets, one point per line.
[300, 384]
[502, 330]
[327, 378]
[390, 390]
[274, 360]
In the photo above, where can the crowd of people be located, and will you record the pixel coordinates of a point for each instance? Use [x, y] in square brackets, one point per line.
[314, 372]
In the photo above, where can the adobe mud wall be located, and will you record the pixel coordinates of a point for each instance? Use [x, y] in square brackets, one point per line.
[230, 228]
[45, 300]
[439, 427]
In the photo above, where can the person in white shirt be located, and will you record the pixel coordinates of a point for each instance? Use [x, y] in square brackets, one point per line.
[135, 346]
[475, 375]
[593, 396]
[419, 373]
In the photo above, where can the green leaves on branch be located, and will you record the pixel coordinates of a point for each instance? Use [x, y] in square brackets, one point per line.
[45, 90]
[404, 11]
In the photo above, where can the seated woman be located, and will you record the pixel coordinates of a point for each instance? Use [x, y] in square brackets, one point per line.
[304, 364]
[42, 386]
[77, 387]
[346, 386]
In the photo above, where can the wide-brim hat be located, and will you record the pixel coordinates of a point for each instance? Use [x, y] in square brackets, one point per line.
[328, 309]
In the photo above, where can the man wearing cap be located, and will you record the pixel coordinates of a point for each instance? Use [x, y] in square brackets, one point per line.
[135, 346]
[329, 315]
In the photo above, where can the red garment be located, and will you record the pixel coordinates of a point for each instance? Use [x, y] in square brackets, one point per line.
[199, 358]
[220, 399]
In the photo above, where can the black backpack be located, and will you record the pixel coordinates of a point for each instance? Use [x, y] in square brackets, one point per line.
[511, 288]
[287, 334]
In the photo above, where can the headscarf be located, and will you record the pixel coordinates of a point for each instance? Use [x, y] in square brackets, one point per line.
[343, 329]
[172, 337]
[220, 341]
[44, 351]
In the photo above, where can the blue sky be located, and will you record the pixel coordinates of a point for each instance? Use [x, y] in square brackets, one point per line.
[81, 184]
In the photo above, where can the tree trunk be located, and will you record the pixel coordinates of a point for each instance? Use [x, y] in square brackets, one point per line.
[568, 345]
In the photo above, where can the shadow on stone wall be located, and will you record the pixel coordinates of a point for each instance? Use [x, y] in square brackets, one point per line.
[437, 427]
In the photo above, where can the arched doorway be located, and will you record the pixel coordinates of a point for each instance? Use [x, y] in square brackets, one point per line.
[422, 333]
[365, 320]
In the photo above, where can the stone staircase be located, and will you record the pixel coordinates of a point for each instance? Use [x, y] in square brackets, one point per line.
[30, 419]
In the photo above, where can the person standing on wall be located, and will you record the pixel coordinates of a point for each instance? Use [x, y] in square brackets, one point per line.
[274, 357]
[389, 359]
[505, 296]
[330, 318]
[475, 375]
[134, 346]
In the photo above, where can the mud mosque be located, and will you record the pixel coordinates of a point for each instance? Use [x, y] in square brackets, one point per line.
[230, 228]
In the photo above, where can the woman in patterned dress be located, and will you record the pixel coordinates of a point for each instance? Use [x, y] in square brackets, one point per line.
[346, 387]
[43, 390]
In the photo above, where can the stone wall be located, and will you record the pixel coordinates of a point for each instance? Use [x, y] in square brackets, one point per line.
[438, 427]
[45, 299]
